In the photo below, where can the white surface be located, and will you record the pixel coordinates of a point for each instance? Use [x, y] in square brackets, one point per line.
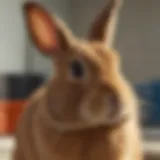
[6, 147]
[6, 143]
[5, 155]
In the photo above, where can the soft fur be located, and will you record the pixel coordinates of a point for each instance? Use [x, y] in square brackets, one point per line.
[94, 118]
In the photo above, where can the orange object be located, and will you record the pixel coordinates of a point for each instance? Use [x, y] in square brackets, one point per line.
[16, 110]
[9, 113]
[4, 117]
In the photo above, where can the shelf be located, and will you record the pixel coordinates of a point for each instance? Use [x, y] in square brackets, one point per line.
[152, 132]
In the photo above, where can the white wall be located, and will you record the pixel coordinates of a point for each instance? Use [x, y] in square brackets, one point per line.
[138, 38]
[12, 37]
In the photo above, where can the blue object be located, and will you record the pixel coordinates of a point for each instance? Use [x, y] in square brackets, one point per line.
[150, 93]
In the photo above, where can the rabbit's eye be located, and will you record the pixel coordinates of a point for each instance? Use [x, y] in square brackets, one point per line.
[77, 69]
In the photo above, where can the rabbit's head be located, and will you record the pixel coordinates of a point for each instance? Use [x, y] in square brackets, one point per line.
[88, 88]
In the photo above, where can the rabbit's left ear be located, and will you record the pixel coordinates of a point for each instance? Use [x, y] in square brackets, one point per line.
[104, 27]
[48, 32]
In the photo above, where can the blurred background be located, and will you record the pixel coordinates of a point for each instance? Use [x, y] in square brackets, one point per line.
[23, 68]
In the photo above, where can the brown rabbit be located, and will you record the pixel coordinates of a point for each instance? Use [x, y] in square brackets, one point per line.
[88, 110]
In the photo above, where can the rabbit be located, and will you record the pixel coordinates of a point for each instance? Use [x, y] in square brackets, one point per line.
[87, 110]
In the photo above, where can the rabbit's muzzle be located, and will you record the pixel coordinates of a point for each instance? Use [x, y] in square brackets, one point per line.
[103, 105]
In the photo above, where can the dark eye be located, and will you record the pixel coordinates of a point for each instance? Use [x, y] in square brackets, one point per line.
[77, 69]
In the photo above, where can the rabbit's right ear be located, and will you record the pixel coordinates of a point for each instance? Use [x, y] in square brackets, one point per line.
[47, 32]
[104, 27]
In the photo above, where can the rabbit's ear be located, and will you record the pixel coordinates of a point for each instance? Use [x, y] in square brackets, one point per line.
[47, 32]
[104, 27]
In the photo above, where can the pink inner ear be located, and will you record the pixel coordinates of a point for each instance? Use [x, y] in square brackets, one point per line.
[42, 28]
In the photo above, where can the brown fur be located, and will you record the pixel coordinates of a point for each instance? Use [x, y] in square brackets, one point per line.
[69, 118]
